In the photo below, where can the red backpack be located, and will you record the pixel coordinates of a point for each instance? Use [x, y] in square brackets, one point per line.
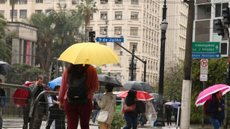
[20, 96]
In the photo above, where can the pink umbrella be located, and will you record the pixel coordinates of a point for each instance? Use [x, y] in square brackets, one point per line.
[140, 95]
[206, 94]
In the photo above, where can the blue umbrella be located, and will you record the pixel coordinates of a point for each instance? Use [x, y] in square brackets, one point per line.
[55, 82]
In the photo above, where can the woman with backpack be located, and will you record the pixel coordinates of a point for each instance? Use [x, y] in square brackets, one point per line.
[79, 82]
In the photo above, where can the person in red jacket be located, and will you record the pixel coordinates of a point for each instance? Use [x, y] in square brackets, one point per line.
[76, 112]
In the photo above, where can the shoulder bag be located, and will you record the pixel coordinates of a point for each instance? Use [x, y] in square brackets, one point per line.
[103, 115]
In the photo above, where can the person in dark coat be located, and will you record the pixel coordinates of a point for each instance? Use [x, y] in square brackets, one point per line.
[141, 112]
[55, 113]
[215, 110]
[168, 113]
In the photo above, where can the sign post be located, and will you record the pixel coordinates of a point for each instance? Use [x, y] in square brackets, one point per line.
[205, 50]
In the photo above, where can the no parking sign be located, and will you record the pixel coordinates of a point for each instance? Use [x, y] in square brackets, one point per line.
[203, 69]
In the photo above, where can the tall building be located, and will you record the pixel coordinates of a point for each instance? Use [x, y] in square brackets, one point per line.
[137, 21]
[177, 12]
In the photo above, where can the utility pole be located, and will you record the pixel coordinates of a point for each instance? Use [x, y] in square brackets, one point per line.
[187, 83]
[132, 65]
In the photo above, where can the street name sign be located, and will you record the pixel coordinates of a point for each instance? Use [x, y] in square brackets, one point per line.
[109, 39]
[199, 55]
[212, 47]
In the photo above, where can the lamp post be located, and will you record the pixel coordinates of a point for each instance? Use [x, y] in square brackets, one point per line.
[164, 25]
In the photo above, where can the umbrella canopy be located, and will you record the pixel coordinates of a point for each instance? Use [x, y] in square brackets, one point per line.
[105, 79]
[206, 94]
[140, 95]
[102, 78]
[89, 53]
[4, 68]
[138, 85]
[55, 82]
[174, 104]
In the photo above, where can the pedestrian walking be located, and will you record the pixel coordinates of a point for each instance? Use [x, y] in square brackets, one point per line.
[215, 110]
[130, 111]
[79, 82]
[40, 109]
[56, 114]
[107, 103]
[141, 112]
[150, 113]
[168, 114]
[21, 99]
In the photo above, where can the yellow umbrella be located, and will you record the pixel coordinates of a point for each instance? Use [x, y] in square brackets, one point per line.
[89, 53]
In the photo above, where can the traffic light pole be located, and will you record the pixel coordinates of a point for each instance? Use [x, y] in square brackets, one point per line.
[143, 61]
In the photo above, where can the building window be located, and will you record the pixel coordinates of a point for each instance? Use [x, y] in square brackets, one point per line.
[134, 15]
[218, 9]
[23, 14]
[2, 1]
[134, 31]
[15, 13]
[204, 11]
[22, 1]
[74, 2]
[91, 17]
[118, 15]
[118, 30]
[2, 12]
[39, 1]
[134, 1]
[103, 30]
[48, 11]
[38, 11]
[104, 1]
[118, 1]
[104, 15]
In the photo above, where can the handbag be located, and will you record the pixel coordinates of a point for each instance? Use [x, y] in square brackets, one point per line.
[128, 108]
[103, 114]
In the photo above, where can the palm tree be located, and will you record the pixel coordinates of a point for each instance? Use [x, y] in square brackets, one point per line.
[45, 33]
[86, 8]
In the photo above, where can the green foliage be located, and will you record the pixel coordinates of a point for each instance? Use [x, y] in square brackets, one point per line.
[4, 47]
[118, 121]
[173, 83]
[21, 73]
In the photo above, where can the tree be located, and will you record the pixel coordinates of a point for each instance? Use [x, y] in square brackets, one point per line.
[173, 83]
[4, 47]
[86, 8]
[46, 34]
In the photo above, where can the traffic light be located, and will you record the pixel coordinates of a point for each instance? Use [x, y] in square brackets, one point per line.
[219, 27]
[226, 16]
[92, 35]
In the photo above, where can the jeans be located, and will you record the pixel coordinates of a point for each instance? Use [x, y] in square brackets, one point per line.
[131, 120]
[215, 122]
[94, 115]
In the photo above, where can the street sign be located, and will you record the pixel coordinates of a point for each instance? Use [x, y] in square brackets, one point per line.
[198, 55]
[109, 39]
[203, 77]
[204, 66]
[212, 47]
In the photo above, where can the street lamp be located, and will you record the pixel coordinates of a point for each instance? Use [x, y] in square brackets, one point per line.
[160, 118]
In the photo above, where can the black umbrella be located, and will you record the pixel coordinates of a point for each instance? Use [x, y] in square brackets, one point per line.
[105, 79]
[4, 68]
[138, 85]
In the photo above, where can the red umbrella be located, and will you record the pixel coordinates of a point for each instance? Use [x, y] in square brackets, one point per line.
[20, 96]
[140, 95]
